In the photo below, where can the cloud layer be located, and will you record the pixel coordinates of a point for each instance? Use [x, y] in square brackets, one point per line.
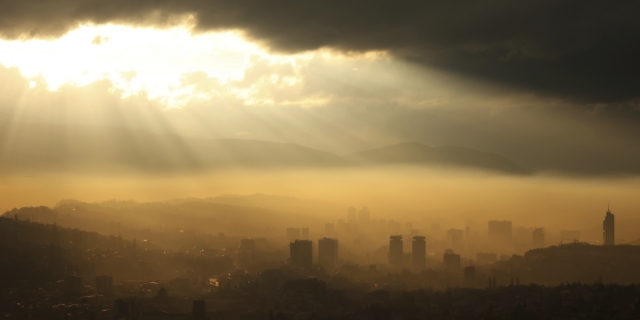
[577, 50]
[539, 134]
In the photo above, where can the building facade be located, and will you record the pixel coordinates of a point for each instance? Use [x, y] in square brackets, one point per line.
[419, 253]
[301, 254]
[396, 249]
[328, 252]
[608, 229]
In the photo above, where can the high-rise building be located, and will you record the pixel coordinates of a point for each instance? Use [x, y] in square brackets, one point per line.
[570, 235]
[293, 234]
[301, 253]
[608, 229]
[363, 216]
[419, 253]
[396, 252]
[351, 215]
[500, 232]
[104, 284]
[304, 234]
[451, 260]
[327, 252]
[538, 238]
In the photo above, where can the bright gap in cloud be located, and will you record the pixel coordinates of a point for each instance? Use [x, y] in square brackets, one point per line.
[134, 59]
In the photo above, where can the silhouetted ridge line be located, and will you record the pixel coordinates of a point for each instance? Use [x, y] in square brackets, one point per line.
[103, 149]
[415, 153]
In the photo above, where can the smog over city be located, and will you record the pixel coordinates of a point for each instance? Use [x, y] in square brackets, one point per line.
[319, 159]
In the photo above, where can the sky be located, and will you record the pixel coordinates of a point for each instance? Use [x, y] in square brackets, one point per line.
[552, 85]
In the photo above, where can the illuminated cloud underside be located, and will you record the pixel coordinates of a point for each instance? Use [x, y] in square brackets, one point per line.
[172, 65]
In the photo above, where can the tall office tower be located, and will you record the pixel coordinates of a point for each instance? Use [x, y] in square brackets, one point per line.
[305, 234]
[570, 235]
[467, 233]
[455, 237]
[363, 216]
[329, 229]
[301, 253]
[396, 252]
[451, 260]
[328, 252]
[500, 232]
[247, 245]
[608, 228]
[351, 215]
[419, 253]
[538, 238]
[293, 234]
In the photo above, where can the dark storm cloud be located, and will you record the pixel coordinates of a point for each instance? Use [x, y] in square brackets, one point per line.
[576, 49]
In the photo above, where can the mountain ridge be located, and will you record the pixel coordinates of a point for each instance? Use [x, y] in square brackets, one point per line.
[62, 148]
[412, 152]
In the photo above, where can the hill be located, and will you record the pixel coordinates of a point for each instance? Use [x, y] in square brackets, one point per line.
[37, 147]
[415, 153]
[160, 222]
[56, 147]
[576, 262]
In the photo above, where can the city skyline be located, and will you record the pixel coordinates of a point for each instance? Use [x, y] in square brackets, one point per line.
[317, 160]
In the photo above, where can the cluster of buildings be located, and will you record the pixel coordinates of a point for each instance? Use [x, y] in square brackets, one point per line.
[500, 235]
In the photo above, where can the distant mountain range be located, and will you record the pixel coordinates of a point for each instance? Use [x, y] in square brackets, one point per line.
[56, 147]
[415, 153]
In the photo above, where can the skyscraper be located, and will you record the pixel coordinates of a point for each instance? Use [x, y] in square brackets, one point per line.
[451, 260]
[305, 234]
[396, 252]
[301, 253]
[608, 228]
[538, 238]
[327, 252]
[419, 253]
[351, 215]
[500, 232]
